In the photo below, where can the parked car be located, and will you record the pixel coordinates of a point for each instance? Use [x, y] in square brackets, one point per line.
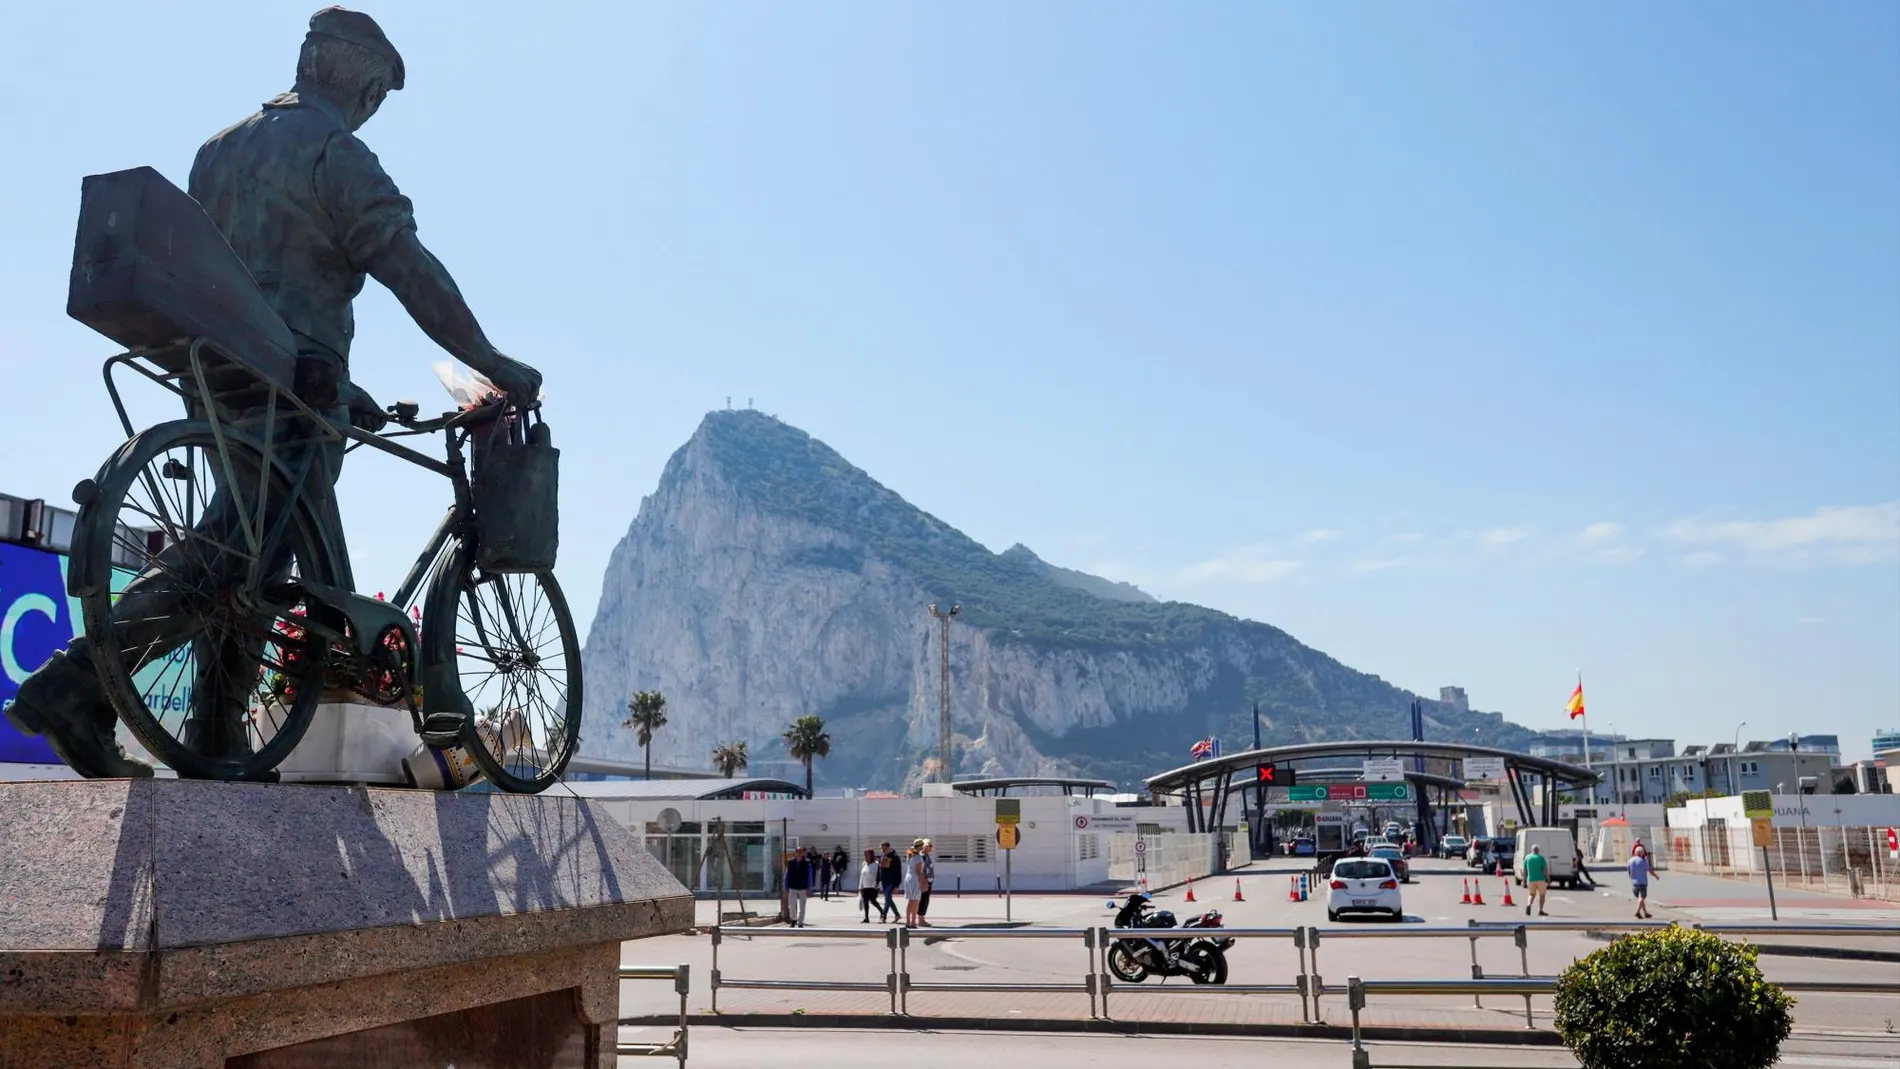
[1302, 847]
[1453, 846]
[1364, 885]
[1396, 855]
[1494, 852]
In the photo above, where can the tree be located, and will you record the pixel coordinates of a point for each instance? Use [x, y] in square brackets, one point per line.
[646, 712]
[730, 758]
[806, 739]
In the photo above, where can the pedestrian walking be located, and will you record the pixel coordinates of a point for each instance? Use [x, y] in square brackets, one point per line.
[840, 861]
[1640, 872]
[928, 869]
[1583, 873]
[798, 878]
[913, 877]
[1537, 880]
[890, 876]
[868, 887]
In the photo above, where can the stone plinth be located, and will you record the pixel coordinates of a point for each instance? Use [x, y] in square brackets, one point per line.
[177, 923]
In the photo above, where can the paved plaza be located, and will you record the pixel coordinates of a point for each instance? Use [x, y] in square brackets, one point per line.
[1347, 948]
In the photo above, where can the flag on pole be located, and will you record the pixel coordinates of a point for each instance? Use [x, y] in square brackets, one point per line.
[1203, 748]
[1576, 701]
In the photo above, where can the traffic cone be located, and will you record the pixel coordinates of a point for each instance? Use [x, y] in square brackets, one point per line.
[1507, 894]
[1237, 897]
[1190, 894]
[1477, 893]
[1466, 900]
[1292, 888]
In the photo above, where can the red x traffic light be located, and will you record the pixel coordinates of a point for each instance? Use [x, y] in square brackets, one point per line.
[1274, 775]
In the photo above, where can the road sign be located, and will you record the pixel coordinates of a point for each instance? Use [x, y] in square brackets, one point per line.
[1313, 793]
[1081, 823]
[1384, 770]
[1893, 842]
[1275, 775]
[1758, 804]
[1485, 768]
[1009, 810]
[1008, 835]
[1110, 825]
[1141, 846]
[1764, 831]
[1368, 792]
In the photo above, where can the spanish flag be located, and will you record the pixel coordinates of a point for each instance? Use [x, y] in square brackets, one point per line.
[1576, 701]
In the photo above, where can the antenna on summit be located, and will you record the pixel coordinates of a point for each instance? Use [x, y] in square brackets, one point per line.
[728, 402]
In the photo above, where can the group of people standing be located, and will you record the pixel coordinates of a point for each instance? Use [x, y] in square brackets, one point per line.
[882, 875]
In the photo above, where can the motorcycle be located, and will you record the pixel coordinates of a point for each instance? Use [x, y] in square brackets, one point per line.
[1200, 957]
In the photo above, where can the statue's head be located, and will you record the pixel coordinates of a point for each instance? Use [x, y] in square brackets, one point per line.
[346, 56]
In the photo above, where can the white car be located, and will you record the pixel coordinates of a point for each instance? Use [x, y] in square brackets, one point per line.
[1363, 885]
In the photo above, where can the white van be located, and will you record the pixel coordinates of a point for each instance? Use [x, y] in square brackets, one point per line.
[1559, 848]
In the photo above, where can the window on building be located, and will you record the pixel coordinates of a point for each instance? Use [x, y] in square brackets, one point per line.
[1751, 768]
[1088, 847]
[1688, 771]
[1655, 772]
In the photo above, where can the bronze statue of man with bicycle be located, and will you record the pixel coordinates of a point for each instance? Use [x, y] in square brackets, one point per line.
[240, 615]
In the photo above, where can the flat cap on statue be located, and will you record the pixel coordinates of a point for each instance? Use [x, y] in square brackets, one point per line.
[360, 30]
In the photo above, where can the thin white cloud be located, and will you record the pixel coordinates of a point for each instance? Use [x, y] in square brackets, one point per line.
[1701, 558]
[1500, 537]
[1810, 621]
[1323, 534]
[1854, 534]
[1373, 566]
[1598, 534]
[1247, 564]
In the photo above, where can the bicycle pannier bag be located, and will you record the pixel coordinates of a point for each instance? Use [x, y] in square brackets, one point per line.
[517, 484]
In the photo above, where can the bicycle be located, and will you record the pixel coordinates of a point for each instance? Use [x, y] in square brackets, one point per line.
[243, 615]
[292, 610]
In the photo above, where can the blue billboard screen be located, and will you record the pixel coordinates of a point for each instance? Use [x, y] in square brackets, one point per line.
[37, 619]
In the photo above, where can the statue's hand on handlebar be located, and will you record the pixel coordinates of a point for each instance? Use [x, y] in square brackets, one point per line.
[365, 413]
[520, 382]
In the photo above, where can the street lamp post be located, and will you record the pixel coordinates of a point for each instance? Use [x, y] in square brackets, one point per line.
[943, 691]
[1734, 745]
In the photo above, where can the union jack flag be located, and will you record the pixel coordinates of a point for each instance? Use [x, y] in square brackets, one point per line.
[1203, 748]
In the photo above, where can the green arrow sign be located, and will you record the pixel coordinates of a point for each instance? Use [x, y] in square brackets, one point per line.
[1306, 794]
[1387, 792]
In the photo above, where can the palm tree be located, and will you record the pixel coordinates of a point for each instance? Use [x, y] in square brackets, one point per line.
[646, 712]
[730, 758]
[806, 739]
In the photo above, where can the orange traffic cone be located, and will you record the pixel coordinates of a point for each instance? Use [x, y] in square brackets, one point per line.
[1237, 897]
[1507, 894]
[1477, 893]
[1292, 888]
[1190, 894]
[1466, 900]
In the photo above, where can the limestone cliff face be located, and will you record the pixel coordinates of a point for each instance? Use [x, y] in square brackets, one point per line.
[766, 578]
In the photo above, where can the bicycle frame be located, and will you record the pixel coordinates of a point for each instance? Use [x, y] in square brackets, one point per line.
[264, 397]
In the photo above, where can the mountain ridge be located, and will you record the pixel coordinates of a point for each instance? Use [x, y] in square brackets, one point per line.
[767, 576]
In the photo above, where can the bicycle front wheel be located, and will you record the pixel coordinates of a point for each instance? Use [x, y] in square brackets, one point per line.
[199, 633]
[518, 658]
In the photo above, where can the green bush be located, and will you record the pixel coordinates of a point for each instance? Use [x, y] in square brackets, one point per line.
[1672, 999]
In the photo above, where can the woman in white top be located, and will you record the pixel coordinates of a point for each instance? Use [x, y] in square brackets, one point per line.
[867, 888]
[913, 887]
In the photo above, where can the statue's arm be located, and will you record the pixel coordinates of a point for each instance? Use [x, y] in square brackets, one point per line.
[376, 226]
[430, 295]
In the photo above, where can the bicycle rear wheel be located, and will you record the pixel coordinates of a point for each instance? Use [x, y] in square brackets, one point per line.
[513, 644]
[200, 634]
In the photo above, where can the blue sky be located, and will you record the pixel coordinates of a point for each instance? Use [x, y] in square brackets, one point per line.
[1470, 343]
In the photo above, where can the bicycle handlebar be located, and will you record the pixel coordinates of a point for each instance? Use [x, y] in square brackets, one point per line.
[403, 414]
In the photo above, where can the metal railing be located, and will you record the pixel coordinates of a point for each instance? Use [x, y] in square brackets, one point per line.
[1308, 983]
[1107, 937]
[675, 1048]
[1088, 936]
[1357, 990]
[891, 937]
